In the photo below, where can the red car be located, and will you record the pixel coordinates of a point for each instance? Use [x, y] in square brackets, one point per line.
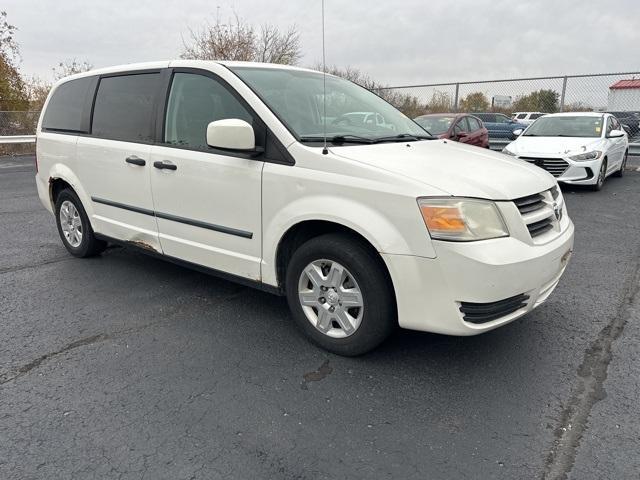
[459, 127]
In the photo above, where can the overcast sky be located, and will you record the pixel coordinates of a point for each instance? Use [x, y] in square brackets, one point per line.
[395, 42]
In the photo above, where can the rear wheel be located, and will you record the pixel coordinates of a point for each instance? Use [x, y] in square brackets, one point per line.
[74, 226]
[340, 294]
[620, 172]
[602, 174]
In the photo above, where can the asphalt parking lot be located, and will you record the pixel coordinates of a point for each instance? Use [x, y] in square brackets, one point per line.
[123, 366]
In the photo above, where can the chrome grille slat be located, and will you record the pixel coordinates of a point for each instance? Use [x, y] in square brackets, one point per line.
[555, 166]
[537, 211]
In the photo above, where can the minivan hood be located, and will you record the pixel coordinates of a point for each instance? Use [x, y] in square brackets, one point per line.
[461, 170]
[552, 145]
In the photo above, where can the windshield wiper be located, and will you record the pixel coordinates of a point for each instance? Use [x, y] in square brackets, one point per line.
[403, 137]
[338, 139]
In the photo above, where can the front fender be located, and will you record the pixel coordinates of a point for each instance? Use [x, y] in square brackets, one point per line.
[384, 233]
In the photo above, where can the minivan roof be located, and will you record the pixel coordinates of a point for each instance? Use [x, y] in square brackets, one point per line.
[181, 63]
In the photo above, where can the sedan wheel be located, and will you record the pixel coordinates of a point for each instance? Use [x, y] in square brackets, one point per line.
[602, 174]
[620, 172]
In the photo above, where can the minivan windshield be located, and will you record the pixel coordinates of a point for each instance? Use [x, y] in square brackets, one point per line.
[353, 113]
[566, 126]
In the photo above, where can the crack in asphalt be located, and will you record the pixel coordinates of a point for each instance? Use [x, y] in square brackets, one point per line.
[101, 337]
[24, 369]
[592, 374]
[17, 268]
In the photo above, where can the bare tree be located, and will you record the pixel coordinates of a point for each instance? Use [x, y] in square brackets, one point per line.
[408, 104]
[9, 50]
[70, 67]
[274, 46]
[237, 40]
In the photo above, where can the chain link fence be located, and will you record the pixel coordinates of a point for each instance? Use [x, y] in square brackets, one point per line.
[618, 93]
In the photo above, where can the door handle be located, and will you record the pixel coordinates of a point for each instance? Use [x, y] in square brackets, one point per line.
[135, 161]
[165, 165]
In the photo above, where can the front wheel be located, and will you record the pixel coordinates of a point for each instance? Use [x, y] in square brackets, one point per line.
[74, 226]
[602, 174]
[340, 294]
[623, 165]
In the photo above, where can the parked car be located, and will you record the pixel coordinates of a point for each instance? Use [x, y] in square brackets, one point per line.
[526, 118]
[499, 125]
[630, 121]
[576, 148]
[459, 127]
[222, 167]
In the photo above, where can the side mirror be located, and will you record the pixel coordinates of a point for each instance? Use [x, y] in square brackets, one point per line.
[231, 134]
[615, 134]
[518, 131]
[462, 134]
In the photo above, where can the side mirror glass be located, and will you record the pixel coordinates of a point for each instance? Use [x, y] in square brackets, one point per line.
[518, 131]
[616, 134]
[231, 134]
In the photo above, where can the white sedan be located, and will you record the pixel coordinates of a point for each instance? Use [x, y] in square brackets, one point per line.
[577, 148]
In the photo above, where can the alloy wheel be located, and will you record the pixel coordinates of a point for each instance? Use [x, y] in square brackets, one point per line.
[331, 298]
[71, 224]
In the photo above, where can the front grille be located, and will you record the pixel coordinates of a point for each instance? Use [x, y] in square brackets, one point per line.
[530, 203]
[538, 228]
[541, 212]
[486, 312]
[555, 166]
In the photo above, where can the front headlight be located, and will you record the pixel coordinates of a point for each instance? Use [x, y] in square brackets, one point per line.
[506, 151]
[462, 220]
[586, 156]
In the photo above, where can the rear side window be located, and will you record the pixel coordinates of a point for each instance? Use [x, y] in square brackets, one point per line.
[124, 107]
[462, 125]
[521, 116]
[66, 108]
[474, 124]
[535, 116]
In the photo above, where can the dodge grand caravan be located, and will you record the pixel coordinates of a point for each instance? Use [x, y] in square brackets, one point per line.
[222, 166]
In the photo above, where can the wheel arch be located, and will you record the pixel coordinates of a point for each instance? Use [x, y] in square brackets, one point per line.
[304, 230]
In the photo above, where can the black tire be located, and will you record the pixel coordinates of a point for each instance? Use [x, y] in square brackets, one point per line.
[89, 244]
[379, 315]
[602, 175]
[620, 173]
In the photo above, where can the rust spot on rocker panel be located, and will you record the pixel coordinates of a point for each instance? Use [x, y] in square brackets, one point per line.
[143, 245]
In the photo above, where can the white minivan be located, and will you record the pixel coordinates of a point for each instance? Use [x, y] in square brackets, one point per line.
[222, 166]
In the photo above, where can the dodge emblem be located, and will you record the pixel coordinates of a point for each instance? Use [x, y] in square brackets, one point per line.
[557, 211]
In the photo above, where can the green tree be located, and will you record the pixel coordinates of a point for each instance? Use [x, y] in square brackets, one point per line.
[474, 102]
[546, 101]
[12, 89]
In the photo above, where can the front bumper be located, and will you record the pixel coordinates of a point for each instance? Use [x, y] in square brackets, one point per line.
[581, 173]
[575, 173]
[429, 291]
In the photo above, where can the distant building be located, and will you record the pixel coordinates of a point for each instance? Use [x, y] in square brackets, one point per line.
[501, 101]
[624, 95]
